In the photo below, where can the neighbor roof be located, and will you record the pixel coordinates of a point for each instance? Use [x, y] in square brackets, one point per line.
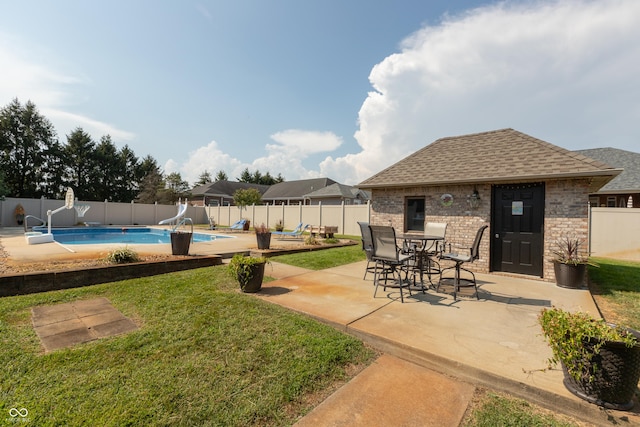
[295, 189]
[629, 180]
[225, 188]
[335, 191]
[497, 156]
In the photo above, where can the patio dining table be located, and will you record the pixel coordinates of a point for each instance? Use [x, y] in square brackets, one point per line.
[422, 260]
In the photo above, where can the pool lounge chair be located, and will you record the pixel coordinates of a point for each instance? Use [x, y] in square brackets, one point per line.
[238, 225]
[296, 233]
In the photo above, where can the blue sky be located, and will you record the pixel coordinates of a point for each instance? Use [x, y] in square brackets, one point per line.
[322, 88]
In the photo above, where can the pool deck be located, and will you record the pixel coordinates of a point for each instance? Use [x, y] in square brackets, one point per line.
[20, 251]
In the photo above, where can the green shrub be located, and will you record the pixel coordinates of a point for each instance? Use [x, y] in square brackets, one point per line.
[122, 256]
[568, 334]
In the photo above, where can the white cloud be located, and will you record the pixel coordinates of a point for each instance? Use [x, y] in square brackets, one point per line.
[284, 157]
[305, 142]
[51, 90]
[564, 71]
[65, 122]
[208, 158]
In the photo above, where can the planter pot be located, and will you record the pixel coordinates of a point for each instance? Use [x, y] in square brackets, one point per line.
[570, 275]
[616, 370]
[245, 227]
[252, 281]
[180, 243]
[264, 240]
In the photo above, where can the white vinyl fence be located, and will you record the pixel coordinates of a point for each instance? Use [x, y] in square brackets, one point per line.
[345, 217]
[612, 230]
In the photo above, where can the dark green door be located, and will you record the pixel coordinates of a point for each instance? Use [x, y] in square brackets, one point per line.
[517, 228]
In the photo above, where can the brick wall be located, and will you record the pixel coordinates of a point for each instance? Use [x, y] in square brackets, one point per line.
[566, 210]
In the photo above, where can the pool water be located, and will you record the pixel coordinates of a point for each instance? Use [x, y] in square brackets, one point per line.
[125, 235]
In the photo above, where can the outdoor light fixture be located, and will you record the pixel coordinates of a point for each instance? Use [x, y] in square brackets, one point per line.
[473, 199]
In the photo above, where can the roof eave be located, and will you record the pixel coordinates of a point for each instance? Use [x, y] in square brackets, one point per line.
[618, 191]
[487, 180]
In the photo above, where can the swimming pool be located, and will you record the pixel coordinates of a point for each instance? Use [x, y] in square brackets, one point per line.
[124, 235]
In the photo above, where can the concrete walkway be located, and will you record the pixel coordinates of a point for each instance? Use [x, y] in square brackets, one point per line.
[437, 350]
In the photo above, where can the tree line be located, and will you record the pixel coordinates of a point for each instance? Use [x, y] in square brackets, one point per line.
[34, 164]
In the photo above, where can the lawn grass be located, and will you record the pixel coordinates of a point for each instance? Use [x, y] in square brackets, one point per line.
[495, 409]
[205, 354]
[618, 283]
[327, 258]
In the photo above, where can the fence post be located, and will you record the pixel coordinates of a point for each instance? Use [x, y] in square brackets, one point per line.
[342, 217]
[589, 225]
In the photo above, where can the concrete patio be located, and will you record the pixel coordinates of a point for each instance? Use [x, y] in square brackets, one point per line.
[494, 342]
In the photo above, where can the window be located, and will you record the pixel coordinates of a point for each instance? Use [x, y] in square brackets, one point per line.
[611, 201]
[414, 214]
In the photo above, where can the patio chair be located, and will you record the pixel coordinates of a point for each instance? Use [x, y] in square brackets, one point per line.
[460, 259]
[367, 247]
[434, 248]
[391, 259]
[427, 251]
[238, 225]
[296, 233]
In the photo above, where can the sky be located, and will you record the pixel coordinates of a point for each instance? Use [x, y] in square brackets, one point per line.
[322, 88]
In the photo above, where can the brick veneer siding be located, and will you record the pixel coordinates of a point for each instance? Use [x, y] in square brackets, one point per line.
[566, 210]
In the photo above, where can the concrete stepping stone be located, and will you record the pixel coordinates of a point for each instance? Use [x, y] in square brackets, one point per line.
[65, 325]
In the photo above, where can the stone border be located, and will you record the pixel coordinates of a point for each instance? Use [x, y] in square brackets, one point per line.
[29, 283]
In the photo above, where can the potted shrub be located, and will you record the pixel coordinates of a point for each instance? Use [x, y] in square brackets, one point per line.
[248, 271]
[19, 214]
[601, 361]
[570, 266]
[279, 225]
[263, 236]
[246, 225]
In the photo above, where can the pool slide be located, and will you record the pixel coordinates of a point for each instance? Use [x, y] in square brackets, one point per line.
[182, 209]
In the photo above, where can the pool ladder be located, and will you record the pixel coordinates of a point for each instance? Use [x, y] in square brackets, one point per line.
[26, 220]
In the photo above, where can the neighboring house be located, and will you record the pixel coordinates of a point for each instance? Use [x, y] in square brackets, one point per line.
[298, 192]
[220, 193]
[530, 194]
[336, 194]
[625, 187]
[294, 192]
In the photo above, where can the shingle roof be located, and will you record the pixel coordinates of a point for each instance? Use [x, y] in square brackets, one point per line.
[295, 189]
[225, 188]
[334, 190]
[629, 180]
[496, 156]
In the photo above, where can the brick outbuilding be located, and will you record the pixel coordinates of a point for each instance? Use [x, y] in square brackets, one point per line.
[528, 191]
